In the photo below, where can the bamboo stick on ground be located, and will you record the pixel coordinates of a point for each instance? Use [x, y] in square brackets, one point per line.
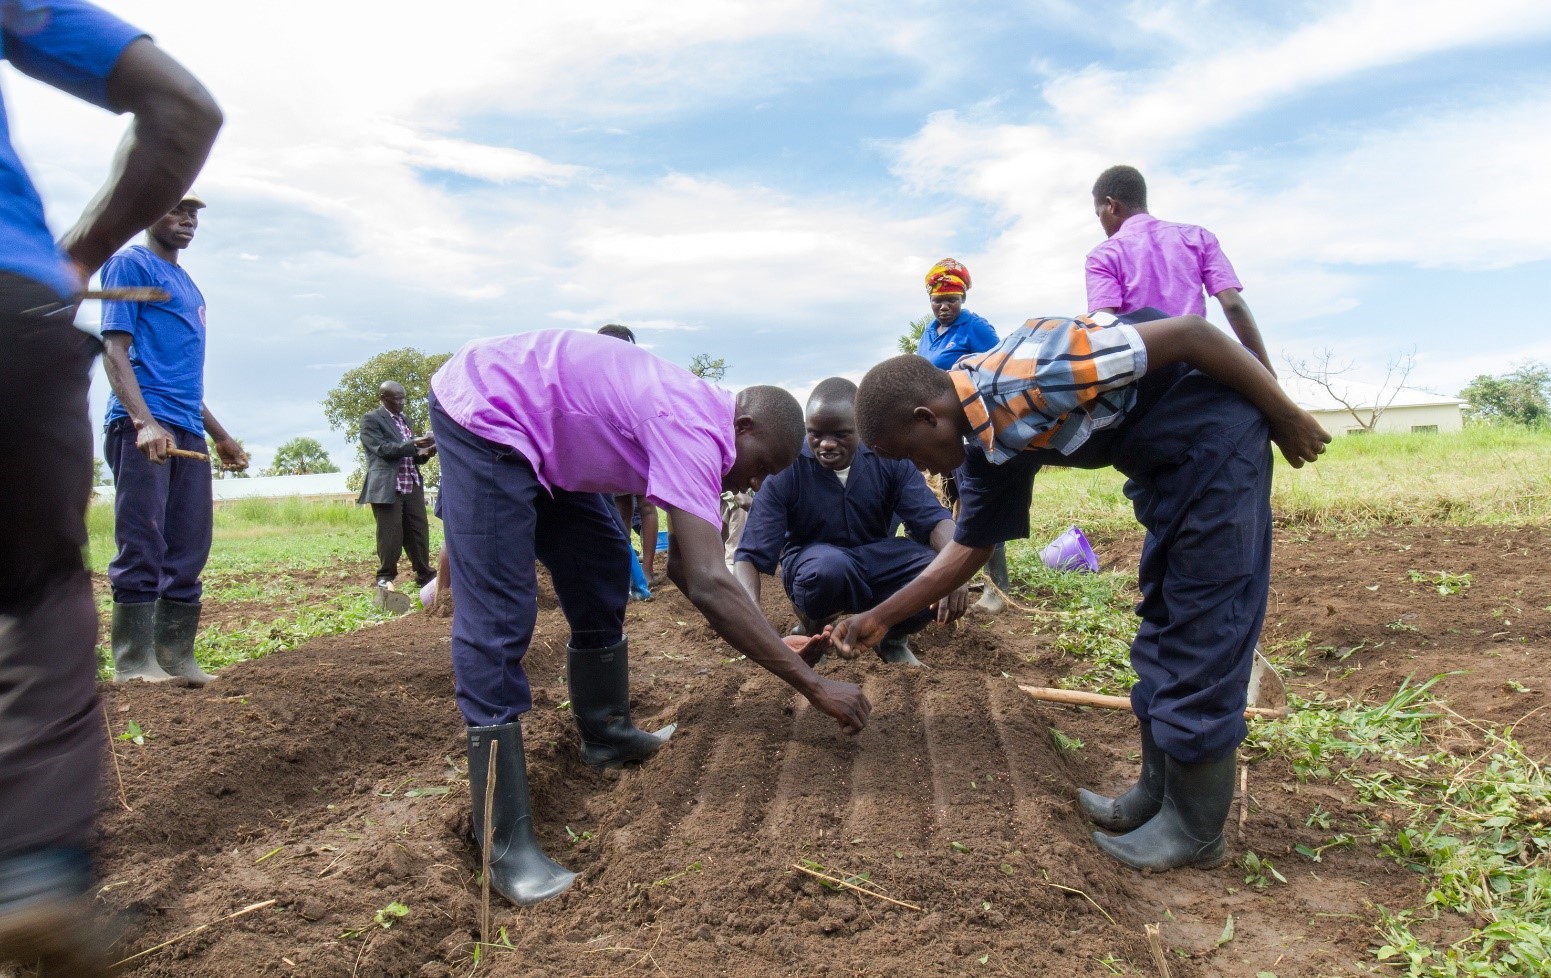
[1155, 944]
[1077, 697]
[190, 933]
[484, 885]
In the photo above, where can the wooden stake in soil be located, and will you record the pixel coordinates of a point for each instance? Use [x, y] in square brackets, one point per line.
[484, 876]
[124, 800]
[1243, 797]
[1155, 944]
[853, 886]
[190, 933]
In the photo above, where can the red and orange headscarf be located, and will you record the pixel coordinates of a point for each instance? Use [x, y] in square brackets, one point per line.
[947, 277]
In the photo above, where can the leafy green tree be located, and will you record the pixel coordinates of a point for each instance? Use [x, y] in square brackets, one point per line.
[705, 368]
[1521, 397]
[356, 394]
[301, 456]
[911, 341]
[100, 474]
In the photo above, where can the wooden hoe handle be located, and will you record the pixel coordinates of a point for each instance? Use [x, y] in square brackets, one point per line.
[1077, 697]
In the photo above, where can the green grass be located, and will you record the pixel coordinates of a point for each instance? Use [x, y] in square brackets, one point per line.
[258, 544]
[1480, 476]
[1457, 802]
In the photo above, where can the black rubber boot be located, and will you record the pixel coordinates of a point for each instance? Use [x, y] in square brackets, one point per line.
[600, 700]
[996, 569]
[177, 623]
[1188, 829]
[133, 637]
[1140, 803]
[46, 915]
[519, 870]
[895, 650]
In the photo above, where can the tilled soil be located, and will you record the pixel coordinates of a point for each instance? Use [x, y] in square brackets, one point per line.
[330, 779]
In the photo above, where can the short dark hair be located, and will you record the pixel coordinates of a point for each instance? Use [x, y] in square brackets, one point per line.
[1125, 184]
[777, 411]
[835, 390]
[618, 332]
[892, 390]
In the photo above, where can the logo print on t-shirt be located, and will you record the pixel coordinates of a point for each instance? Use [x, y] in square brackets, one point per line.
[202, 317]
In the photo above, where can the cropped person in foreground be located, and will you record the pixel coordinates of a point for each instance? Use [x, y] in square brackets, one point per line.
[51, 730]
[532, 430]
[1194, 445]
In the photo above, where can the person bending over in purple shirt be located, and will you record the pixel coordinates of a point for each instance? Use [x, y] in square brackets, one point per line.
[533, 430]
[1148, 263]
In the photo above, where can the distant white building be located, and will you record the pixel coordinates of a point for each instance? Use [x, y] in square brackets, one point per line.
[1409, 411]
[272, 487]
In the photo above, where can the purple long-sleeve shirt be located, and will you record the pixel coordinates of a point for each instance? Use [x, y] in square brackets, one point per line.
[1161, 264]
[592, 414]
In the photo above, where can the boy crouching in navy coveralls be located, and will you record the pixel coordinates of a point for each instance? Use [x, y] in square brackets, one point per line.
[829, 520]
[532, 429]
[1193, 443]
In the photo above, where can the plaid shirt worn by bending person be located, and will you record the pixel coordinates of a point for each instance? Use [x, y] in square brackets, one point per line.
[1051, 383]
[409, 472]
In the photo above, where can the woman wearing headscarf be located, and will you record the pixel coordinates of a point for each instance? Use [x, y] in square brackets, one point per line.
[956, 332]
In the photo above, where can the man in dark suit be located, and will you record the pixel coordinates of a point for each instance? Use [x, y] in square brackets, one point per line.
[394, 489]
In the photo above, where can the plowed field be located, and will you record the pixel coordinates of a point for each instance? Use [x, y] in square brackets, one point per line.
[330, 780]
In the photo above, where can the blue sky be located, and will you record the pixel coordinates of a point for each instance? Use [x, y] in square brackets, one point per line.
[768, 182]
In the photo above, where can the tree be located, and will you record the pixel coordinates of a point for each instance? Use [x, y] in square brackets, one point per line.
[100, 474]
[911, 341]
[705, 368]
[301, 456]
[1324, 372]
[356, 394]
[1521, 397]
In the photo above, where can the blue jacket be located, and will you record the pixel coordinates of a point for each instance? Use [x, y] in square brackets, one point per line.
[968, 334]
[806, 504]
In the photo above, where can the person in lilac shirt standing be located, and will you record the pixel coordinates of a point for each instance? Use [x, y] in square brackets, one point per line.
[533, 430]
[1148, 263]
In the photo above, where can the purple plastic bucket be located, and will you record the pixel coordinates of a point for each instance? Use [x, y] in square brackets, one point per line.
[1070, 552]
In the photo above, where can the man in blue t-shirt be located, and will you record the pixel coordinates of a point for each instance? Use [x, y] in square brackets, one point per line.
[154, 354]
[51, 733]
[829, 520]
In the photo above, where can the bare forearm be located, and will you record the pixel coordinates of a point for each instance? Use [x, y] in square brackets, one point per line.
[954, 565]
[1244, 326]
[213, 427]
[1193, 340]
[942, 535]
[121, 377]
[748, 576]
[175, 124]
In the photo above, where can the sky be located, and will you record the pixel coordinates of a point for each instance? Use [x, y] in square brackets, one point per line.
[768, 182]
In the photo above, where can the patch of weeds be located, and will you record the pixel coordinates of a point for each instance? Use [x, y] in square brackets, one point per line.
[1259, 871]
[1065, 744]
[1088, 616]
[854, 879]
[383, 918]
[1474, 821]
[1445, 582]
[693, 867]
[134, 734]
[1401, 625]
[1317, 853]
[576, 838]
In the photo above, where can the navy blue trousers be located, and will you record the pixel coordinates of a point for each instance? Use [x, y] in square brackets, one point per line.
[51, 736]
[1200, 481]
[162, 518]
[1198, 460]
[498, 519]
[824, 580]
